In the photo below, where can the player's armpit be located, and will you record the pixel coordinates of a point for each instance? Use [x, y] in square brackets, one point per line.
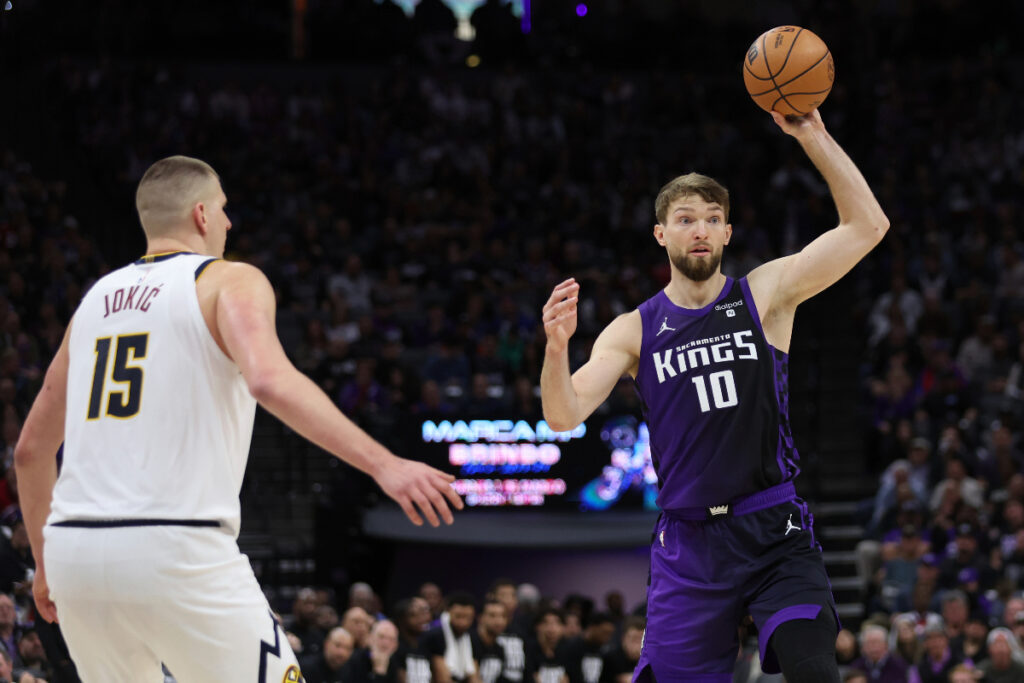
[616, 352]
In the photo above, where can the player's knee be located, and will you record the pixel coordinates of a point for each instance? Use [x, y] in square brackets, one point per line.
[816, 669]
[806, 649]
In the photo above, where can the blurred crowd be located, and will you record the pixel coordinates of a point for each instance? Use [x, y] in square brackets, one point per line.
[414, 219]
[511, 634]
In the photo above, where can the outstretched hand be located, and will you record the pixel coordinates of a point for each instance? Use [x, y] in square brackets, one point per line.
[798, 126]
[415, 485]
[560, 314]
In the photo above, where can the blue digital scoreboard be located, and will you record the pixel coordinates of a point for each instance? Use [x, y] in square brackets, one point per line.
[513, 462]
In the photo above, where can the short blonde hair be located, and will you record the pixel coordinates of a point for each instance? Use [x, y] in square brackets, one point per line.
[708, 189]
[168, 191]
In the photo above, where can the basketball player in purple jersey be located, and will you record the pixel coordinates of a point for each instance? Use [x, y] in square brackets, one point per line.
[709, 358]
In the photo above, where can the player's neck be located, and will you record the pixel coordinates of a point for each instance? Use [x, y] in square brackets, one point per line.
[687, 293]
[166, 245]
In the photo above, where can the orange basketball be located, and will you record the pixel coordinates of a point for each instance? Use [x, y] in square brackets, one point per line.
[788, 69]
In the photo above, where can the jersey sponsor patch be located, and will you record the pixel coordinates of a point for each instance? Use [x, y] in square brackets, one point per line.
[293, 675]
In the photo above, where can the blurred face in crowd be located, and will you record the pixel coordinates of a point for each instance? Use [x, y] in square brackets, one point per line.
[362, 595]
[632, 643]
[506, 594]
[966, 545]
[975, 631]
[935, 644]
[7, 613]
[600, 634]
[1014, 514]
[461, 617]
[1000, 652]
[31, 648]
[1014, 606]
[572, 625]
[962, 677]
[418, 616]
[357, 622]
[305, 606]
[550, 629]
[326, 617]
[494, 619]
[384, 637]
[954, 613]
[874, 645]
[338, 648]
[432, 594]
[905, 631]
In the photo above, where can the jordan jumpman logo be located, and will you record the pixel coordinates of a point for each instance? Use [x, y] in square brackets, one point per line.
[790, 526]
[665, 327]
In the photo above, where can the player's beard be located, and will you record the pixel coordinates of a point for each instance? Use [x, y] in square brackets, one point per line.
[697, 269]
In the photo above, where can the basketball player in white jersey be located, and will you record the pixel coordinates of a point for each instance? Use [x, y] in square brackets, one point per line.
[153, 392]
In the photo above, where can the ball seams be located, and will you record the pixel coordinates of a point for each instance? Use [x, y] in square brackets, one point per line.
[802, 73]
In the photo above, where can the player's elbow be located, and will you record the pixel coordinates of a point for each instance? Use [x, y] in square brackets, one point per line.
[559, 423]
[24, 451]
[265, 385]
[881, 224]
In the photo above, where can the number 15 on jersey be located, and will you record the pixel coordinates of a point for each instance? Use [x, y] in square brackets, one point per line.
[124, 397]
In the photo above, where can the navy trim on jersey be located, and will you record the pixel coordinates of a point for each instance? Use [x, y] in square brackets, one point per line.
[115, 523]
[202, 267]
[266, 650]
[157, 258]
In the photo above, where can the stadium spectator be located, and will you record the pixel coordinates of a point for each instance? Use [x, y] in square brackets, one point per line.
[584, 654]
[326, 666]
[358, 623]
[449, 645]
[1004, 662]
[548, 657]
[374, 663]
[876, 660]
[621, 660]
[938, 659]
[487, 651]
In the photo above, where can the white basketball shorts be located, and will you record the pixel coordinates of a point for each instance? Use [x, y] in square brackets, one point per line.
[129, 598]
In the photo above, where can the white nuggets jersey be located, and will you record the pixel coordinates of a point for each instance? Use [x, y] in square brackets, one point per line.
[159, 419]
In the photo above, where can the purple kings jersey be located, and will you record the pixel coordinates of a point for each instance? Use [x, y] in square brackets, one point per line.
[716, 399]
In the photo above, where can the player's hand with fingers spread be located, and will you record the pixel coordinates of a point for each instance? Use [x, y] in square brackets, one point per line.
[41, 592]
[799, 125]
[560, 314]
[415, 485]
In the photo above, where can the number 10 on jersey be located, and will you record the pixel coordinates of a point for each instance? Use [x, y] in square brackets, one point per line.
[723, 390]
[120, 404]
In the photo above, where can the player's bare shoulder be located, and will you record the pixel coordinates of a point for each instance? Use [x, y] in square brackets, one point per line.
[231, 284]
[231, 277]
[764, 282]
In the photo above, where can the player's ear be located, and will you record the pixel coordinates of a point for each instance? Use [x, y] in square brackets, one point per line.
[728, 232]
[199, 217]
[659, 233]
